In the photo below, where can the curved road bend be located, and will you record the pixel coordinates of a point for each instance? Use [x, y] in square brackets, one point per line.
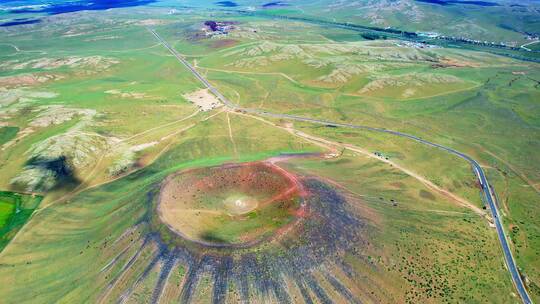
[479, 172]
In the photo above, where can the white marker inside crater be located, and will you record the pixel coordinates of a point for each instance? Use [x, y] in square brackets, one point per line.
[238, 205]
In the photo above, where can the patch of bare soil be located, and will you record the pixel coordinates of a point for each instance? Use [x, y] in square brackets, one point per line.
[454, 63]
[151, 22]
[93, 62]
[408, 81]
[14, 99]
[224, 43]
[131, 95]
[57, 114]
[205, 100]
[108, 37]
[27, 79]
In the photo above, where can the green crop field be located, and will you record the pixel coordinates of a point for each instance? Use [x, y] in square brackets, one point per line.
[269, 152]
[15, 210]
[7, 134]
[6, 213]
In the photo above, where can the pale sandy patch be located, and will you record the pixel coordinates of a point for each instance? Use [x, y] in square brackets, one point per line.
[133, 95]
[102, 38]
[94, 62]
[27, 79]
[151, 22]
[144, 146]
[57, 114]
[205, 100]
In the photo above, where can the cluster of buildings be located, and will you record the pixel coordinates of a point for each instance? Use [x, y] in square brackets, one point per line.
[417, 45]
[213, 28]
[434, 35]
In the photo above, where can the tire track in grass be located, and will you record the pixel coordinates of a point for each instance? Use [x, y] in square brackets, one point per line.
[158, 257]
[125, 234]
[340, 288]
[124, 269]
[161, 126]
[231, 137]
[116, 258]
[522, 176]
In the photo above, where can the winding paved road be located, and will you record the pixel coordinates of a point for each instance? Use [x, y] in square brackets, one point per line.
[479, 172]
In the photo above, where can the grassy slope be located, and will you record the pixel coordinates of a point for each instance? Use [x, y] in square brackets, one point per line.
[497, 23]
[468, 120]
[7, 134]
[96, 216]
[431, 245]
[405, 236]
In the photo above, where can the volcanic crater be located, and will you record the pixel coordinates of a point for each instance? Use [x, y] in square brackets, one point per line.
[233, 205]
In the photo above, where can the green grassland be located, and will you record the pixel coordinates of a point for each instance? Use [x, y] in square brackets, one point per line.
[6, 212]
[495, 23]
[15, 210]
[123, 126]
[535, 46]
[428, 264]
[495, 92]
[98, 218]
[7, 134]
[506, 21]
[231, 232]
